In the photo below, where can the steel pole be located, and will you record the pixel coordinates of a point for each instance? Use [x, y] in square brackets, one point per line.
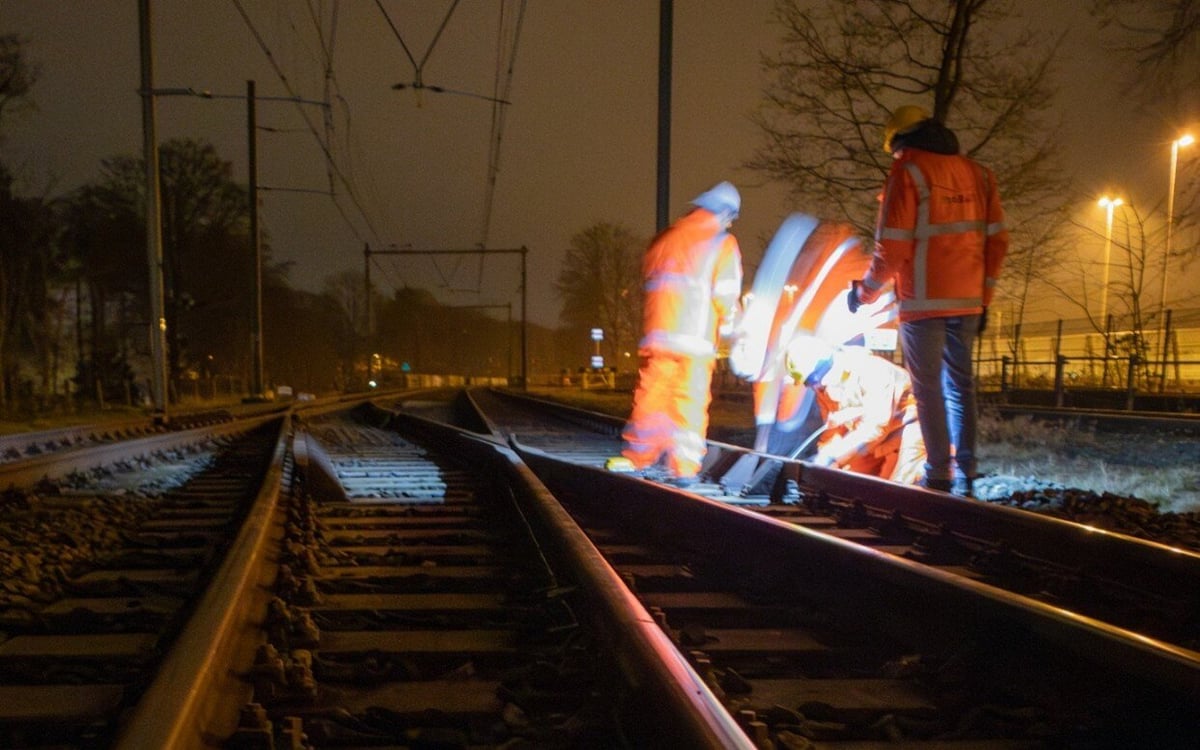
[1162, 295]
[154, 253]
[257, 390]
[665, 35]
[1108, 222]
[524, 321]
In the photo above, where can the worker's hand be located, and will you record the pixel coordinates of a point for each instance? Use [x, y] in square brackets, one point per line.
[852, 299]
[822, 459]
[982, 321]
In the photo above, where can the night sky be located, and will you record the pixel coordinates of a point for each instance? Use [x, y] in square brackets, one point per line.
[577, 145]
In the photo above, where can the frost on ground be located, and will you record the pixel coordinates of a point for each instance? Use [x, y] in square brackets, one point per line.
[1145, 485]
[1025, 455]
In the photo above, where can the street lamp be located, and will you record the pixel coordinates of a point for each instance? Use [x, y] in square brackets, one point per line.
[1108, 204]
[1184, 140]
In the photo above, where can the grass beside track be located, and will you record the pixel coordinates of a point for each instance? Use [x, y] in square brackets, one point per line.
[1016, 454]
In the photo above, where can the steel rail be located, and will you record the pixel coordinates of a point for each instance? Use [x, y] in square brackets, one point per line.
[968, 603]
[691, 715]
[1038, 536]
[199, 689]
[60, 464]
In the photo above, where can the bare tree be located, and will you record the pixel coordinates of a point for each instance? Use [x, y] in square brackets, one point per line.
[1115, 310]
[600, 284]
[17, 76]
[346, 293]
[27, 250]
[207, 271]
[28, 261]
[842, 69]
[1163, 37]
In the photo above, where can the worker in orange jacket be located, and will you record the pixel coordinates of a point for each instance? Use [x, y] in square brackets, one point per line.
[867, 406]
[692, 275]
[803, 273]
[941, 239]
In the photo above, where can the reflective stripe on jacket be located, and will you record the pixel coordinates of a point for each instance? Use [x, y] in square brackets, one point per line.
[693, 282]
[864, 400]
[940, 236]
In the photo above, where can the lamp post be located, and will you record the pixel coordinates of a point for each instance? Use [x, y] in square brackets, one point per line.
[1184, 140]
[1108, 204]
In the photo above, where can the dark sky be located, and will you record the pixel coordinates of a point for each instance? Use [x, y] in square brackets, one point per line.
[577, 144]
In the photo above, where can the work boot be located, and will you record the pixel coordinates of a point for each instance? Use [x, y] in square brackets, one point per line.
[620, 464]
[963, 486]
[942, 485]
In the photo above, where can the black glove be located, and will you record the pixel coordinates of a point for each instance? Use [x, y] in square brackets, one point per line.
[852, 300]
[982, 321]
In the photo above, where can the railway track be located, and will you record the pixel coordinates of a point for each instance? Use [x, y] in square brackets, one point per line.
[1145, 592]
[455, 569]
[1146, 587]
[376, 591]
[106, 551]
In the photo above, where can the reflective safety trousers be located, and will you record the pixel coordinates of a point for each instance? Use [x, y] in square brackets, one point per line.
[669, 419]
[940, 236]
[870, 418]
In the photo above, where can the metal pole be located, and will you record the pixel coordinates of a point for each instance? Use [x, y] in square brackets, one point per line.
[1185, 140]
[665, 35]
[1162, 383]
[367, 305]
[1109, 205]
[257, 391]
[154, 255]
[524, 322]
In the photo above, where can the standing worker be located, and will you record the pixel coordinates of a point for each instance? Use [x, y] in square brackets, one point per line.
[941, 238]
[867, 406]
[692, 276]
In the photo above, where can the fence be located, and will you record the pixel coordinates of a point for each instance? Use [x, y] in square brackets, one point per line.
[1129, 368]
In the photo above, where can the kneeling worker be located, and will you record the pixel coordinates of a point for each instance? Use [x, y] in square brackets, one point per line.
[868, 409]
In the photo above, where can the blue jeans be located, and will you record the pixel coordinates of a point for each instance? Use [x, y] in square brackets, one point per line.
[937, 355]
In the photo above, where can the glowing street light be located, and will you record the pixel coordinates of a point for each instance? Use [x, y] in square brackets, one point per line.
[1184, 140]
[1108, 204]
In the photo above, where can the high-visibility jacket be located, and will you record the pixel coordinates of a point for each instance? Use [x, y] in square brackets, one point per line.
[693, 284]
[870, 417]
[940, 236]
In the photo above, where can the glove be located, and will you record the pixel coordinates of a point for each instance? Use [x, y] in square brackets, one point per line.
[982, 321]
[852, 300]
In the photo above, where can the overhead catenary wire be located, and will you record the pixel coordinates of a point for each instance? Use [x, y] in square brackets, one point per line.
[502, 84]
[418, 83]
[331, 163]
[501, 92]
[506, 56]
[400, 38]
[327, 48]
[322, 19]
